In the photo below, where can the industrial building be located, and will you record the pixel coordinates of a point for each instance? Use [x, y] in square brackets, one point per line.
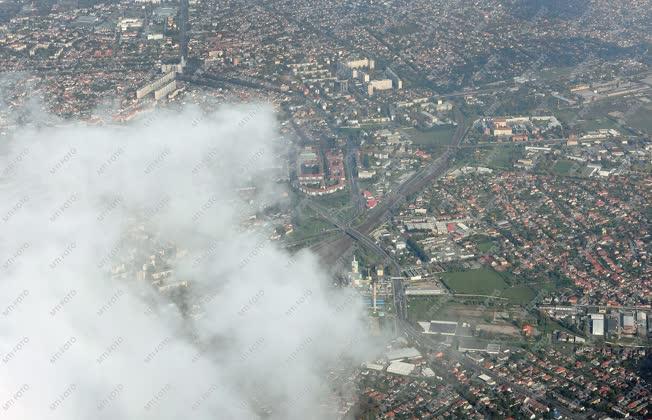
[400, 368]
[468, 344]
[425, 287]
[406, 353]
[597, 324]
[439, 327]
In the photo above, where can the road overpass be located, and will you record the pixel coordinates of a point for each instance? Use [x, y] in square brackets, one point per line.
[331, 253]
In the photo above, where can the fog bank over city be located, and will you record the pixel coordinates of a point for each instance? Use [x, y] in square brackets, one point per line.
[82, 337]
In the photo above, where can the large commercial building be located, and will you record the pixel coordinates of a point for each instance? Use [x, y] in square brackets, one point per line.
[129, 24]
[425, 287]
[360, 64]
[439, 327]
[381, 84]
[400, 368]
[469, 344]
[156, 85]
[350, 68]
[408, 353]
[597, 324]
[165, 90]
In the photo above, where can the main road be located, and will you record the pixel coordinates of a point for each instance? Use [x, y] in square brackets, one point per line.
[333, 251]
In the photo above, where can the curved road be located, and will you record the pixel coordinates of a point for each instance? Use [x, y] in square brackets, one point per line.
[332, 253]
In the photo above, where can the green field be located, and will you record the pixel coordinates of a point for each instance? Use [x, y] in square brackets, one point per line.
[567, 115]
[598, 122]
[335, 200]
[502, 156]
[427, 307]
[555, 73]
[593, 119]
[519, 294]
[479, 282]
[641, 119]
[485, 246]
[309, 224]
[349, 130]
[487, 282]
[563, 167]
[432, 139]
[483, 242]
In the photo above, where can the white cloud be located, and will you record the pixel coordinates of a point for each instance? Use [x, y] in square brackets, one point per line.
[76, 344]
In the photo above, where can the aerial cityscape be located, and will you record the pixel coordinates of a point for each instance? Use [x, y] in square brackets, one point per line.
[318, 209]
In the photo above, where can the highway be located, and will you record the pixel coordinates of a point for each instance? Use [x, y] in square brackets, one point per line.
[332, 252]
[397, 285]
[335, 249]
[390, 203]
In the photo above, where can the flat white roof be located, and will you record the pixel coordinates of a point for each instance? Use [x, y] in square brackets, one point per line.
[400, 368]
[445, 322]
[404, 353]
[373, 366]
[428, 372]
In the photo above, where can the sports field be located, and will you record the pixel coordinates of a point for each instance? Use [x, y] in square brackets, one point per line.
[433, 139]
[481, 282]
[487, 282]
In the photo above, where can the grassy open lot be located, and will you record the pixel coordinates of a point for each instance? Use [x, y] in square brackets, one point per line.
[426, 307]
[544, 286]
[598, 122]
[563, 167]
[641, 119]
[335, 200]
[348, 130]
[480, 282]
[448, 308]
[567, 115]
[593, 119]
[487, 282]
[485, 246]
[555, 73]
[502, 156]
[519, 294]
[483, 242]
[432, 139]
[308, 224]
